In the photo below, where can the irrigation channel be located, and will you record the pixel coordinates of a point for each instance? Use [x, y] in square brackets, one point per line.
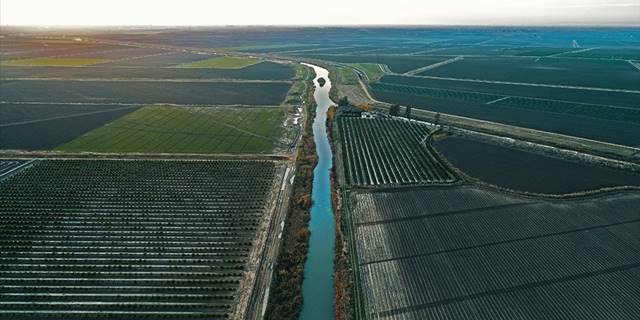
[317, 286]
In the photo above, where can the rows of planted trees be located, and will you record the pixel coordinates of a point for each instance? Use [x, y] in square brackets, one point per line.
[128, 239]
[462, 252]
[389, 152]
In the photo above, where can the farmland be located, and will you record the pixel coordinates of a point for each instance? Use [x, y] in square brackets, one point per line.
[45, 126]
[54, 90]
[600, 102]
[225, 62]
[129, 238]
[577, 72]
[53, 62]
[597, 111]
[388, 152]
[399, 64]
[16, 48]
[605, 116]
[468, 253]
[525, 171]
[158, 234]
[615, 98]
[166, 59]
[607, 53]
[260, 71]
[145, 92]
[373, 70]
[163, 129]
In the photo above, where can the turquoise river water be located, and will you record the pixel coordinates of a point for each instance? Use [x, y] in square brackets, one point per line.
[317, 286]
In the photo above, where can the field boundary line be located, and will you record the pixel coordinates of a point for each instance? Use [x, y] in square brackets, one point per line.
[634, 64]
[498, 100]
[136, 57]
[433, 66]
[4, 125]
[186, 80]
[138, 156]
[570, 52]
[561, 86]
[125, 104]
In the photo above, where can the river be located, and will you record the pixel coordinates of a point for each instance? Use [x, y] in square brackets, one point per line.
[317, 286]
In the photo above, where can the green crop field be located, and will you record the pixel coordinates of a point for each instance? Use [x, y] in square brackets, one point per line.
[203, 130]
[372, 70]
[225, 62]
[53, 62]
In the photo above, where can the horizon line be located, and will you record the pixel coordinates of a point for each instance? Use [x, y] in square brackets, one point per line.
[567, 25]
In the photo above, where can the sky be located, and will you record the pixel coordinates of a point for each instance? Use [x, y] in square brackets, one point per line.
[319, 12]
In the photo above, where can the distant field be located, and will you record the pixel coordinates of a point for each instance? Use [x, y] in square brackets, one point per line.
[607, 53]
[145, 92]
[595, 111]
[576, 72]
[46, 126]
[110, 239]
[158, 129]
[467, 253]
[621, 99]
[624, 133]
[397, 63]
[388, 152]
[169, 59]
[225, 62]
[598, 115]
[519, 170]
[53, 62]
[468, 96]
[278, 47]
[13, 48]
[260, 71]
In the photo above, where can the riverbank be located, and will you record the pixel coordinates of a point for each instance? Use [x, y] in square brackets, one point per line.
[343, 273]
[285, 300]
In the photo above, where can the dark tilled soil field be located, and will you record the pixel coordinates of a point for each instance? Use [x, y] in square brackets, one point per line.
[525, 171]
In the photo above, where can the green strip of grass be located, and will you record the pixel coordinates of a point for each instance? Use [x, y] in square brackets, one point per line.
[200, 130]
[53, 62]
[372, 70]
[225, 62]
